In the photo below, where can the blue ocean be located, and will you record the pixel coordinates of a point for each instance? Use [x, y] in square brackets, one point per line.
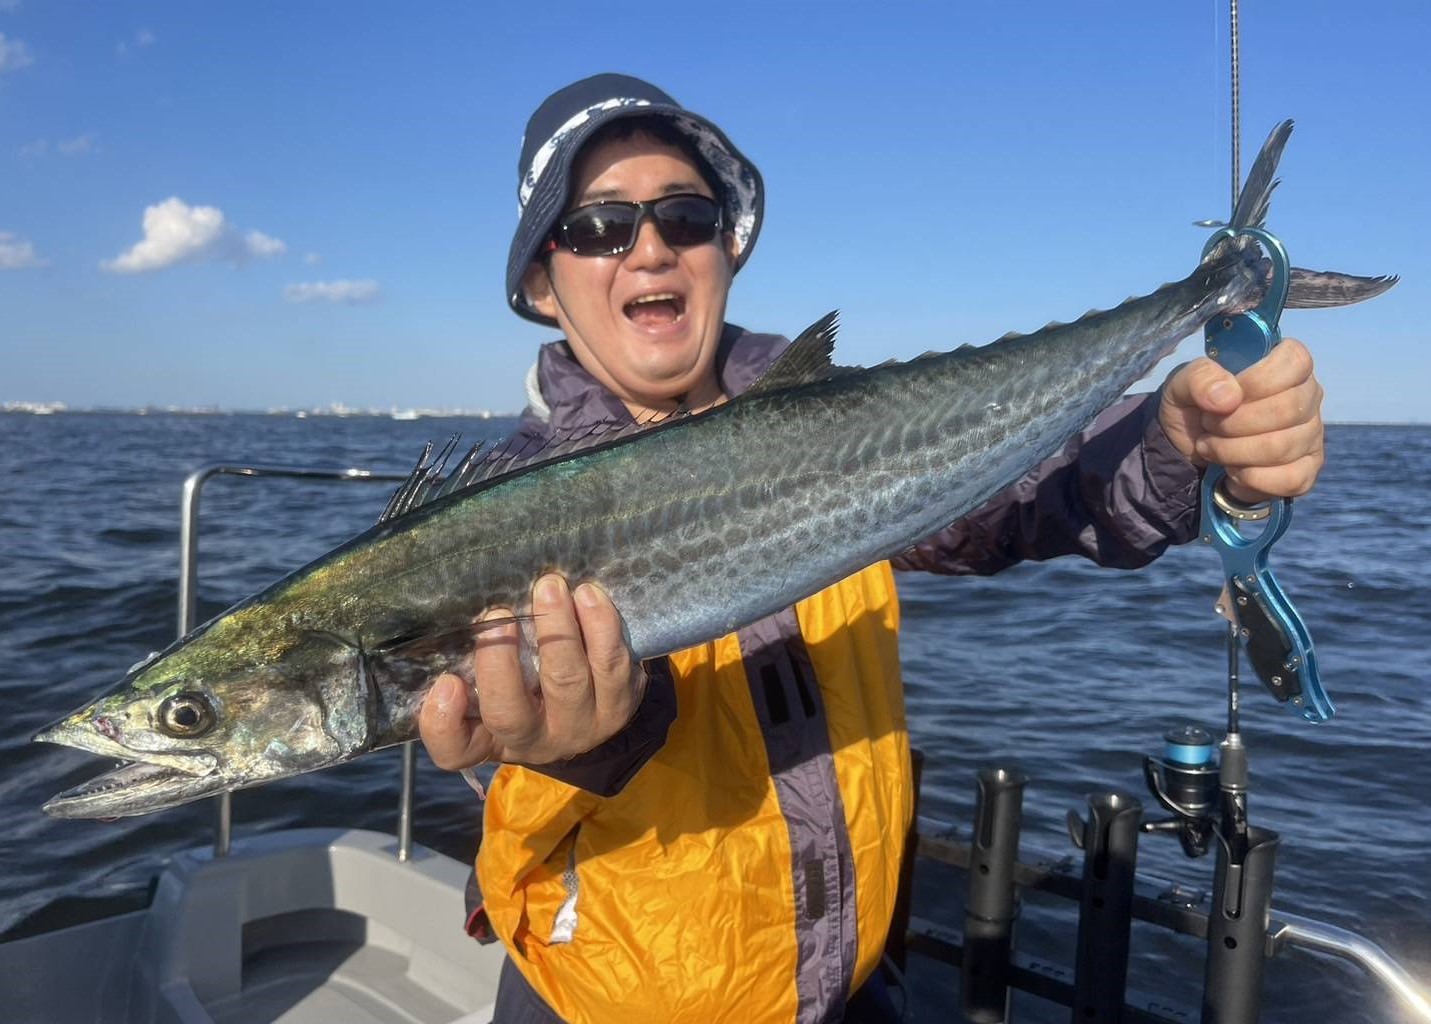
[1068, 672]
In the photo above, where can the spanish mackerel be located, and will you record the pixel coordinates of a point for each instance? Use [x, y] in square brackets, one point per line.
[695, 527]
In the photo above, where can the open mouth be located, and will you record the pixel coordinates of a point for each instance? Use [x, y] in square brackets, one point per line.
[134, 787]
[659, 309]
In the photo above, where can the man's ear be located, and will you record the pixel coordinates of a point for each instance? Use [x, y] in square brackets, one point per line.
[537, 284]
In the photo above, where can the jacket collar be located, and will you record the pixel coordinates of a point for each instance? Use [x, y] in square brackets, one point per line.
[561, 392]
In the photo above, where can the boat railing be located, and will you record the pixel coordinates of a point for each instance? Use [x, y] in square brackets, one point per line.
[189, 607]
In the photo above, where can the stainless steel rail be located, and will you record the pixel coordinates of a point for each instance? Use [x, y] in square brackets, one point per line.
[189, 606]
[1305, 933]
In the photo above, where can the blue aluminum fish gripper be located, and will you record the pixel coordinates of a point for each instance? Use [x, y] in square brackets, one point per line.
[1268, 627]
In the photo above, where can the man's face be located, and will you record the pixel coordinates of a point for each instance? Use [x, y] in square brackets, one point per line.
[644, 322]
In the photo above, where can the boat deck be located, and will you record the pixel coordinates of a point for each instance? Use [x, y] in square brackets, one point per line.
[307, 925]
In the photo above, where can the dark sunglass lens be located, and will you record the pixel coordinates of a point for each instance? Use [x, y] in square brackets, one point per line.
[599, 230]
[687, 220]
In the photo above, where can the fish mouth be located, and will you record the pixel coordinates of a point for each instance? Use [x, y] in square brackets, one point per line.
[143, 782]
[135, 787]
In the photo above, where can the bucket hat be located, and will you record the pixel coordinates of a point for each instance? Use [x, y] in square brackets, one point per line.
[554, 137]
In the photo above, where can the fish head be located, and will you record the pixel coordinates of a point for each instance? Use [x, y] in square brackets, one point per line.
[202, 719]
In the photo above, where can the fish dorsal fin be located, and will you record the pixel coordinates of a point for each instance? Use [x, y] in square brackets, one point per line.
[501, 459]
[504, 459]
[806, 361]
[423, 483]
[487, 463]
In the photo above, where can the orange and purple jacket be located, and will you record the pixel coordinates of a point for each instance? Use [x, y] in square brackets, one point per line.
[734, 853]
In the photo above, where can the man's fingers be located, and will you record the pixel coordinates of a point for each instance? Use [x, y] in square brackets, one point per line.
[1273, 448]
[568, 701]
[452, 739]
[509, 710]
[1202, 384]
[617, 682]
[1296, 406]
[588, 688]
[1258, 483]
[1285, 367]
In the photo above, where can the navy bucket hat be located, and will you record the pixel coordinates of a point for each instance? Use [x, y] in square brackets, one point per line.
[555, 135]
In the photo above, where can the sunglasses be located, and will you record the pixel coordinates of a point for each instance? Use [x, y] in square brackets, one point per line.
[610, 228]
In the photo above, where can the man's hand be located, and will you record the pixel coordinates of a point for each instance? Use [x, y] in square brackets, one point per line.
[590, 686]
[1263, 425]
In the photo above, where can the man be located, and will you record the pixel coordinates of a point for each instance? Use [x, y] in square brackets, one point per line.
[717, 835]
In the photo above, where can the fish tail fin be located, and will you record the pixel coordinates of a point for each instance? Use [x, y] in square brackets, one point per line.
[1256, 195]
[1323, 289]
[1306, 289]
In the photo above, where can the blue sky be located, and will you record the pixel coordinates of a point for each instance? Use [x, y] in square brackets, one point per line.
[941, 172]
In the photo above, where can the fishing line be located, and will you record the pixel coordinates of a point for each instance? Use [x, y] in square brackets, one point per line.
[1233, 32]
[1216, 113]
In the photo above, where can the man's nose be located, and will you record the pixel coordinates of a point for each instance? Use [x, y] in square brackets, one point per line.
[650, 250]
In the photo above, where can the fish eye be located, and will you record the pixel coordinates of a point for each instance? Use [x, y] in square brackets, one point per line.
[186, 715]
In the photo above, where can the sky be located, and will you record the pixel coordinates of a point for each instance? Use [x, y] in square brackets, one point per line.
[264, 204]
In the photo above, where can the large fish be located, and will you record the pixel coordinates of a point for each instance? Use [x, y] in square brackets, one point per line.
[695, 527]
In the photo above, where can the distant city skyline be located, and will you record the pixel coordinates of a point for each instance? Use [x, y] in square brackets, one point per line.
[254, 207]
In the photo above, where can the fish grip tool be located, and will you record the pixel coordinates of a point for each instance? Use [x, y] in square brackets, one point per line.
[1264, 621]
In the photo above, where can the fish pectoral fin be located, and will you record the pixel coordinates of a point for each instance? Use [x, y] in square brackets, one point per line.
[405, 643]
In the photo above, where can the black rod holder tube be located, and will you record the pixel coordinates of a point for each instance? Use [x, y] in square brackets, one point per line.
[992, 903]
[1105, 916]
[1237, 930]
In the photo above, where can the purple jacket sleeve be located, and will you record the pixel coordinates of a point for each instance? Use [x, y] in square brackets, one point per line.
[605, 769]
[1119, 494]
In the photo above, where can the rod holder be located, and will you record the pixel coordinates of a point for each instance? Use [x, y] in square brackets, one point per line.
[992, 904]
[1109, 841]
[1237, 930]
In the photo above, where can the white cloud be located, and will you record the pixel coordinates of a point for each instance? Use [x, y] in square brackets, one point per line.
[256, 243]
[9, 6]
[175, 232]
[350, 293]
[13, 55]
[16, 253]
[142, 38]
[81, 145]
[312, 259]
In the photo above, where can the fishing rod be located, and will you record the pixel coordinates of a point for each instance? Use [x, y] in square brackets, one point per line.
[1209, 797]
